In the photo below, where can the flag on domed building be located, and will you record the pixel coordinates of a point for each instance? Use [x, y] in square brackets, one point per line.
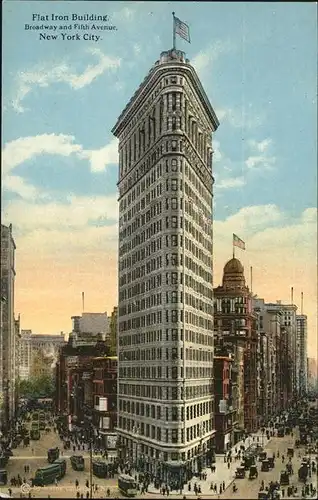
[237, 242]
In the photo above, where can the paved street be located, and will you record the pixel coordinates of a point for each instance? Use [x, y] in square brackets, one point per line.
[247, 489]
[35, 455]
[38, 458]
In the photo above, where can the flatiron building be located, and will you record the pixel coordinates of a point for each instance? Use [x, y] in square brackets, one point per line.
[165, 306]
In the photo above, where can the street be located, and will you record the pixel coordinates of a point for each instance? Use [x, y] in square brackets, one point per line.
[35, 455]
[38, 458]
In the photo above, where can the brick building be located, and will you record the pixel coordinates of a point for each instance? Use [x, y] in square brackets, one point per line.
[235, 327]
[224, 412]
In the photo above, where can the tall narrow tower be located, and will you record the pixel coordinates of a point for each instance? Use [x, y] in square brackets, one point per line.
[165, 313]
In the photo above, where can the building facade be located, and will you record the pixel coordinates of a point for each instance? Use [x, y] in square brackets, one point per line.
[38, 353]
[273, 390]
[224, 411]
[113, 331]
[289, 320]
[8, 327]
[235, 326]
[301, 327]
[165, 312]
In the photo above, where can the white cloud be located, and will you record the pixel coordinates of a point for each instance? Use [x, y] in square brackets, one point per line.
[137, 49]
[260, 162]
[77, 213]
[245, 118]
[260, 156]
[310, 215]
[25, 148]
[18, 185]
[230, 182]
[205, 58]
[100, 158]
[249, 219]
[48, 74]
[217, 155]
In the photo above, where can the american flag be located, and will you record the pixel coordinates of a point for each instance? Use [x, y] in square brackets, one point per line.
[182, 29]
[237, 242]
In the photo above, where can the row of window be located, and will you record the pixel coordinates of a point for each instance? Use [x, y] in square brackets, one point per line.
[169, 373]
[172, 316]
[159, 353]
[165, 456]
[168, 393]
[168, 413]
[170, 335]
[173, 436]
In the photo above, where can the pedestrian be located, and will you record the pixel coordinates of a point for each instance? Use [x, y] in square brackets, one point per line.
[87, 494]
[10, 491]
[228, 465]
[87, 484]
[76, 483]
[223, 484]
[55, 482]
[211, 486]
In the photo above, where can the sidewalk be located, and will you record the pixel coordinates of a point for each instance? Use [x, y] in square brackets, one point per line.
[222, 473]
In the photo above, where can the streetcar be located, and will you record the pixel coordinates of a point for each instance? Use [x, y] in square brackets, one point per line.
[127, 485]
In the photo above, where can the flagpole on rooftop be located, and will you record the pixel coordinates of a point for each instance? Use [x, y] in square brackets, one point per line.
[174, 33]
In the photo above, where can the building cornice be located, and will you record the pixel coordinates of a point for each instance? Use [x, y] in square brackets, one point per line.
[137, 100]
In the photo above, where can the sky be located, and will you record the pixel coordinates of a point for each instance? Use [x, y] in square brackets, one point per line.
[63, 94]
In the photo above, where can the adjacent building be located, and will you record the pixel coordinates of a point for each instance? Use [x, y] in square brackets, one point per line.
[86, 388]
[9, 332]
[224, 410]
[235, 329]
[301, 327]
[165, 311]
[273, 362]
[38, 353]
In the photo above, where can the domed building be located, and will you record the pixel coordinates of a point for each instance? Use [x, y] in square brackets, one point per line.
[235, 331]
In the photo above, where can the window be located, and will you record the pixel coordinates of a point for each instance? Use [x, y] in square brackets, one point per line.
[174, 184]
[174, 221]
[174, 438]
[174, 165]
[174, 203]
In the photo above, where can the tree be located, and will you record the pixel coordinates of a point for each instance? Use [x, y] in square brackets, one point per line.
[36, 387]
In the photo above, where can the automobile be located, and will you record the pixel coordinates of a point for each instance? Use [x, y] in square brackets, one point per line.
[77, 462]
[53, 454]
[284, 478]
[247, 461]
[290, 452]
[271, 461]
[3, 477]
[253, 472]
[240, 473]
[262, 456]
[265, 466]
